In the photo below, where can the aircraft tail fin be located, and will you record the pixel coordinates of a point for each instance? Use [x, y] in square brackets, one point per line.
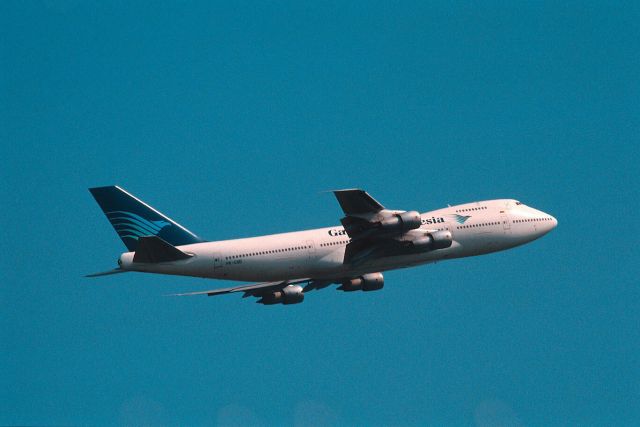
[133, 219]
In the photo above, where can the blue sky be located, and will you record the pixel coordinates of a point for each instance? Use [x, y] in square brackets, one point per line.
[233, 119]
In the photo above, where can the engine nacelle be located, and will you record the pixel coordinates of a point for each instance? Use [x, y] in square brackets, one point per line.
[402, 222]
[366, 282]
[292, 294]
[441, 239]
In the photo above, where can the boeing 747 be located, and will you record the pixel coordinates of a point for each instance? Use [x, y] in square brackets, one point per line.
[370, 240]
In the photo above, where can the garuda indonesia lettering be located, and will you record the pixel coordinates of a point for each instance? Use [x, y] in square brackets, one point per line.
[432, 220]
[287, 266]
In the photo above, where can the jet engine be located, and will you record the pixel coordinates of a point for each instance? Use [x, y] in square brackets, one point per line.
[402, 222]
[437, 240]
[291, 294]
[366, 282]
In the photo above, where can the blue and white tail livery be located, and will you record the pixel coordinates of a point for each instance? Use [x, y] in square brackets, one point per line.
[133, 219]
[370, 240]
[132, 226]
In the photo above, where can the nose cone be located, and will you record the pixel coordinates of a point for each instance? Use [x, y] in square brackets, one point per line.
[550, 224]
[543, 222]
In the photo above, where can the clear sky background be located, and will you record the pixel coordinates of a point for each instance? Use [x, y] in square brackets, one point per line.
[232, 120]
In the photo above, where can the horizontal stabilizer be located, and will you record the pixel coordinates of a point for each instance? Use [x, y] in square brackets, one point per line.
[107, 273]
[153, 249]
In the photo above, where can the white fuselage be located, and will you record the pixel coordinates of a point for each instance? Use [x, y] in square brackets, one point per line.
[477, 228]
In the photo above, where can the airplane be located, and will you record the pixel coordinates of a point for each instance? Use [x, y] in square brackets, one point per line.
[370, 240]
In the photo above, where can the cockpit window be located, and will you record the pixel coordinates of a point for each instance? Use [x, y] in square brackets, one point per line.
[518, 203]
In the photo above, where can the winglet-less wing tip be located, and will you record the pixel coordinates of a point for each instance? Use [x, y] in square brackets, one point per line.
[339, 190]
[186, 294]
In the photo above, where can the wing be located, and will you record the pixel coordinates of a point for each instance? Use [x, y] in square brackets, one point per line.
[365, 217]
[253, 289]
[374, 230]
[356, 202]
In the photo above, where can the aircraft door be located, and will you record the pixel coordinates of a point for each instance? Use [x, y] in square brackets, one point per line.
[218, 264]
[311, 248]
[506, 223]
